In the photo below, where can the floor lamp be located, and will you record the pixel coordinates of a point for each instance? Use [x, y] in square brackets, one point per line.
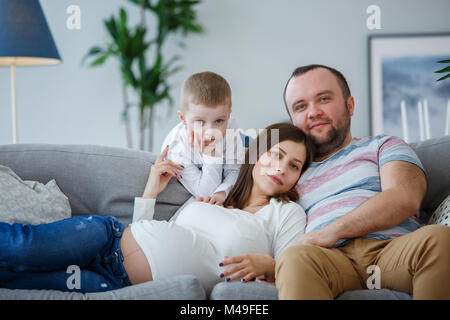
[25, 40]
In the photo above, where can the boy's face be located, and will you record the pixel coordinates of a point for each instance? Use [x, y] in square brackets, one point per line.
[209, 124]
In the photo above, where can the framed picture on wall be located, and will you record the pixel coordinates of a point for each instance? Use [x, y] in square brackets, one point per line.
[406, 100]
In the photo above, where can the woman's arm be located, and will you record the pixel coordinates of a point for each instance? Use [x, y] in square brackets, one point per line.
[160, 174]
[249, 266]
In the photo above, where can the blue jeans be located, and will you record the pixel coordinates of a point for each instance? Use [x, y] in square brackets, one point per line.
[76, 254]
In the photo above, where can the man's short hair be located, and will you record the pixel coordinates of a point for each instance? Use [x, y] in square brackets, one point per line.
[205, 88]
[304, 69]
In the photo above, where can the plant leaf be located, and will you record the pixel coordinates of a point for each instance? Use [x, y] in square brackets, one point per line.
[92, 52]
[446, 69]
[444, 77]
[100, 60]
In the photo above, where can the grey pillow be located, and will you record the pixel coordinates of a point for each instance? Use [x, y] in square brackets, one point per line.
[30, 201]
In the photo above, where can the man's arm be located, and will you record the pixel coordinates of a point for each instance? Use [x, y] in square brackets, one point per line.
[403, 187]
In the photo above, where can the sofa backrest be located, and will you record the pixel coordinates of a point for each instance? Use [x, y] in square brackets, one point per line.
[96, 179]
[435, 157]
[104, 180]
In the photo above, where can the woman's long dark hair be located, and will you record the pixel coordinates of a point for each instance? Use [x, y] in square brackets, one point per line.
[240, 193]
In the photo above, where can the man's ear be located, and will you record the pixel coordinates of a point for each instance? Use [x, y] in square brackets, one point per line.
[351, 105]
[181, 116]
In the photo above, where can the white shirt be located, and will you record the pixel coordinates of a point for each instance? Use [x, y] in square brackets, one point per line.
[201, 235]
[205, 175]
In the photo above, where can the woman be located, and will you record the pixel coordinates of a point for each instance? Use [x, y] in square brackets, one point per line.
[257, 222]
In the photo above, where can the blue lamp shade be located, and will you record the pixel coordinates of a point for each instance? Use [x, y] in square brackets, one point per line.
[25, 38]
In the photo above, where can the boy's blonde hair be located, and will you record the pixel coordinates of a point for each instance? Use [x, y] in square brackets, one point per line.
[207, 89]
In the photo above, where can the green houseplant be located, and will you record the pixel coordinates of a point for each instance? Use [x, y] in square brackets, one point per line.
[149, 80]
[444, 70]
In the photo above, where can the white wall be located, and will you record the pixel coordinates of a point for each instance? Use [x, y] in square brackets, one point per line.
[255, 44]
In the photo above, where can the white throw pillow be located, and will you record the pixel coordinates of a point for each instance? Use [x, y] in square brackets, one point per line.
[442, 213]
[30, 201]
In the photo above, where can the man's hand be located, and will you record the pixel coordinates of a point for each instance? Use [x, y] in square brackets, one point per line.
[217, 198]
[325, 237]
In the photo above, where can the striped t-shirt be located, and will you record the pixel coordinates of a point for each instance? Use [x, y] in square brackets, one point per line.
[332, 188]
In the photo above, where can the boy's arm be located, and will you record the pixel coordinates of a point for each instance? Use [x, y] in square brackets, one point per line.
[230, 173]
[232, 165]
[201, 182]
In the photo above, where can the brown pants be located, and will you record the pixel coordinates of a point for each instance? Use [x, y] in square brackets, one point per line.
[417, 263]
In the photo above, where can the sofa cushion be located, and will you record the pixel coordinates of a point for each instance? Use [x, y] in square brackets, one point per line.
[96, 179]
[251, 290]
[381, 294]
[435, 156]
[176, 288]
[442, 213]
[261, 291]
[30, 201]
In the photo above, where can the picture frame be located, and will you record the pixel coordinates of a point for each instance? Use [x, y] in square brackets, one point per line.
[406, 100]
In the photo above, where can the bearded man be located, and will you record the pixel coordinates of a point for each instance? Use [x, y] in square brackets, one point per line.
[361, 196]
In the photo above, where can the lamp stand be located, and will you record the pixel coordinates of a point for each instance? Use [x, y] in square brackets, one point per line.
[14, 102]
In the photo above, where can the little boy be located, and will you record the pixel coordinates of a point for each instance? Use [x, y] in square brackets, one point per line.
[198, 143]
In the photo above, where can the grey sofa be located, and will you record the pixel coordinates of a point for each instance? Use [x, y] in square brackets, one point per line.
[104, 180]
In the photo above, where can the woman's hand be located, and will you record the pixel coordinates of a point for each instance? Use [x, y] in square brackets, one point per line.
[160, 174]
[249, 266]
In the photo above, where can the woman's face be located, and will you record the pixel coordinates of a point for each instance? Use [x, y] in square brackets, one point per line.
[278, 170]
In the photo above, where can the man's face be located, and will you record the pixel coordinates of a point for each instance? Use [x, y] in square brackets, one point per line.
[316, 105]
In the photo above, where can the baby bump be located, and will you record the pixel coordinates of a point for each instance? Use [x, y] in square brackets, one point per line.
[174, 250]
[134, 260]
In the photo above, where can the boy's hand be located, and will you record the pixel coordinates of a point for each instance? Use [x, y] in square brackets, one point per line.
[209, 148]
[217, 198]
[197, 143]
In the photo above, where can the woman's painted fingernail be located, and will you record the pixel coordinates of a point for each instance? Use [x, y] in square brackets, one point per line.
[222, 275]
[242, 280]
[228, 279]
[221, 264]
[182, 166]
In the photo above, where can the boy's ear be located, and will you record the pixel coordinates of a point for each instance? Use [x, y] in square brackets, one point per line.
[181, 116]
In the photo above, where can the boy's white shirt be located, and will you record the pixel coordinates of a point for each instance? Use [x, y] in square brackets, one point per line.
[205, 175]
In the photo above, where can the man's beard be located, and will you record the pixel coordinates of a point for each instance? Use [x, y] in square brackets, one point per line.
[335, 139]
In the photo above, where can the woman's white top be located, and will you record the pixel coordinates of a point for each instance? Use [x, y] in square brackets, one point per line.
[200, 235]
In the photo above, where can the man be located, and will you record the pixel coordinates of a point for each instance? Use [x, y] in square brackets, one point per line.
[361, 197]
